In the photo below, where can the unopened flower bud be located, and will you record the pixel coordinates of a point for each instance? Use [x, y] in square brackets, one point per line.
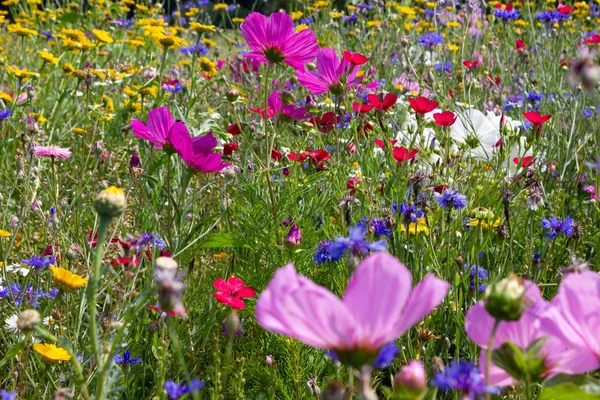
[505, 299]
[232, 94]
[294, 237]
[411, 378]
[110, 202]
[287, 97]
[311, 104]
[134, 161]
[28, 320]
[166, 263]
[232, 323]
[310, 66]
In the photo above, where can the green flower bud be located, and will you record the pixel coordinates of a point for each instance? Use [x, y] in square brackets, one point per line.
[110, 202]
[232, 94]
[505, 300]
[28, 320]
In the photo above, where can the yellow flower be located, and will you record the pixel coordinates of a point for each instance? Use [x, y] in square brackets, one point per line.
[237, 20]
[20, 73]
[220, 6]
[74, 34]
[167, 41]
[21, 30]
[207, 66]
[48, 57]
[371, 24]
[6, 97]
[151, 22]
[102, 36]
[220, 256]
[4, 233]
[453, 24]
[336, 15]
[66, 280]
[452, 47]
[51, 354]
[192, 11]
[323, 4]
[208, 42]
[301, 27]
[200, 28]
[79, 131]
[296, 15]
[415, 228]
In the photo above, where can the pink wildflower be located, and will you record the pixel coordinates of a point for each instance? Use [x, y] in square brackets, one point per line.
[330, 75]
[197, 152]
[161, 128]
[273, 40]
[379, 305]
[52, 151]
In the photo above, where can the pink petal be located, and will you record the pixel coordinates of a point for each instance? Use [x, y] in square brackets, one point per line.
[498, 377]
[279, 27]
[223, 298]
[478, 324]
[235, 283]
[376, 295]
[246, 292]
[221, 285]
[160, 122]
[254, 30]
[312, 82]
[141, 130]
[427, 295]
[300, 49]
[327, 66]
[237, 303]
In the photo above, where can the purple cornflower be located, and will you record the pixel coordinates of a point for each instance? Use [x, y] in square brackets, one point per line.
[410, 213]
[5, 114]
[193, 49]
[380, 227]
[355, 242]
[126, 359]
[39, 262]
[477, 274]
[506, 14]
[322, 254]
[555, 226]
[148, 239]
[431, 40]
[6, 395]
[443, 67]
[172, 87]
[465, 377]
[535, 97]
[176, 390]
[450, 198]
[386, 356]
[514, 101]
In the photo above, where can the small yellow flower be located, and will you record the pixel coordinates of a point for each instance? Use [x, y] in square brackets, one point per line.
[301, 27]
[220, 256]
[170, 42]
[220, 6]
[207, 66]
[102, 36]
[416, 228]
[48, 57]
[296, 15]
[6, 97]
[79, 131]
[51, 354]
[237, 20]
[66, 280]
[200, 28]
[21, 30]
[371, 24]
[20, 73]
[208, 42]
[4, 233]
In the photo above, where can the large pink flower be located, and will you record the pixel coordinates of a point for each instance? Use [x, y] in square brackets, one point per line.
[160, 129]
[558, 358]
[330, 74]
[197, 152]
[52, 151]
[378, 306]
[273, 40]
[573, 316]
[275, 106]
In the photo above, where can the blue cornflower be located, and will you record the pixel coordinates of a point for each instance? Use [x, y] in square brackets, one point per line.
[363, 6]
[306, 21]
[126, 359]
[477, 269]
[443, 67]
[587, 113]
[534, 96]
[431, 40]
[465, 377]
[193, 49]
[5, 114]
[386, 356]
[175, 87]
[176, 390]
[450, 198]
[380, 227]
[46, 35]
[351, 18]
[322, 254]
[506, 14]
[410, 212]
[555, 226]
[39, 262]
[550, 17]
[514, 101]
[6, 395]
[231, 7]
[355, 242]
[149, 239]
[480, 289]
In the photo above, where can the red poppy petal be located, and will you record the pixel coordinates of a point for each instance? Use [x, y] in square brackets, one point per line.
[223, 298]
[247, 291]
[221, 285]
[237, 303]
[235, 283]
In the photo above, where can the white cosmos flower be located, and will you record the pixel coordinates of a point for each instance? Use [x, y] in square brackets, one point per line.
[11, 324]
[478, 132]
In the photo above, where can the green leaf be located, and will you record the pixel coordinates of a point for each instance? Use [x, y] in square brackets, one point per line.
[223, 240]
[511, 359]
[11, 353]
[576, 387]
[70, 17]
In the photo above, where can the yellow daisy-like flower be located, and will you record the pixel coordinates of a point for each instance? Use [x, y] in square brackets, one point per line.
[296, 15]
[237, 20]
[48, 57]
[73, 34]
[301, 27]
[4, 233]
[79, 131]
[200, 28]
[21, 30]
[6, 97]
[102, 36]
[207, 66]
[167, 41]
[66, 280]
[416, 228]
[20, 73]
[220, 6]
[51, 354]
[208, 42]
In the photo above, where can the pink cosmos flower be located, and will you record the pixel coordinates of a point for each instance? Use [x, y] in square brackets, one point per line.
[275, 106]
[330, 74]
[52, 151]
[161, 128]
[197, 152]
[273, 40]
[378, 306]
[558, 358]
[573, 317]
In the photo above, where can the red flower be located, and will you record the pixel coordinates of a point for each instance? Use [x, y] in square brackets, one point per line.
[422, 105]
[317, 157]
[520, 45]
[499, 142]
[276, 155]
[125, 261]
[326, 122]
[380, 143]
[232, 291]
[229, 148]
[470, 64]
[355, 58]
[444, 118]
[388, 101]
[234, 129]
[173, 313]
[594, 39]
[536, 118]
[564, 10]
[440, 188]
[524, 162]
[362, 108]
[402, 154]
[351, 184]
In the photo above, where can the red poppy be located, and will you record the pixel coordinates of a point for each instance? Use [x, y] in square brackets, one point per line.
[362, 108]
[470, 64]
[351, 184]
[234, 129]
[402, 154]
[536, 118]
[564, 10]
[317, 156]
[594, 39]
[494, 79]
[355, 58]
[232, 291]
[326, 122]
[229, 148]
[444, 118]
[388, 101]
[440, 188]
[525, 161]
[276, 155]
[422, 105]
[124, 261]
[380, 143]
[520, 45]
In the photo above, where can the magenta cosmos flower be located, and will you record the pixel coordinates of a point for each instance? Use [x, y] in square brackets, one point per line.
[197, 152]
[51, 151]
[330, 75]
[276, 107]
[557, 356]
[378, 306]
[273, 40]
[573, 317]
[160, 129]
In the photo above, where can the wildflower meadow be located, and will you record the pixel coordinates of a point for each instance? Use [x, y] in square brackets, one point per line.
[295, 199]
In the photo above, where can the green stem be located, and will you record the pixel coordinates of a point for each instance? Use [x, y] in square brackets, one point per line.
[488, 357]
